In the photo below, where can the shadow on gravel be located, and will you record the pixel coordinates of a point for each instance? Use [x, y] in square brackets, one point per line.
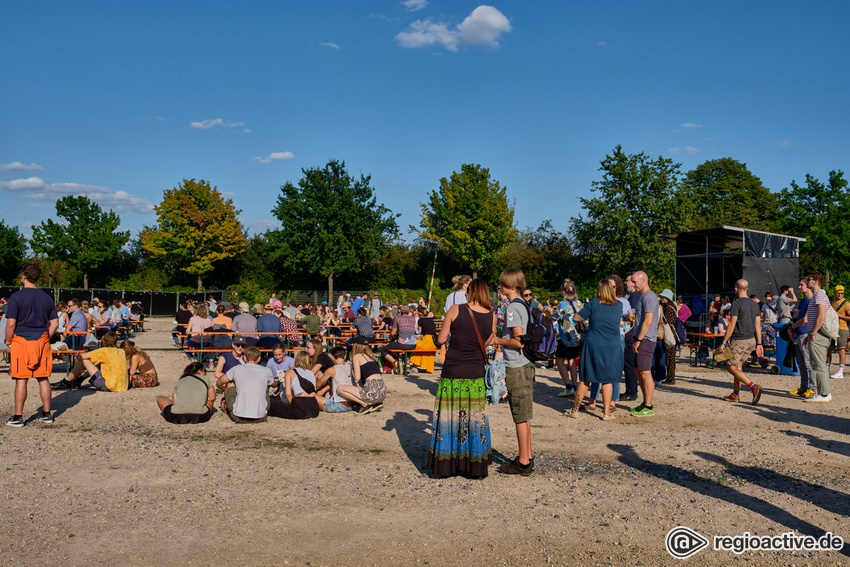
[834, 423]
[691, 481]
[414, 436]
[68, 399]
[839, 447]
[429, 386]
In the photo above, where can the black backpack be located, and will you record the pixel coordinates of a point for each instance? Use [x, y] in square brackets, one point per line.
[534, 346]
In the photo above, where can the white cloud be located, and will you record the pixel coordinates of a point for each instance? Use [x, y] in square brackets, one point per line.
[215, 122]
[414, 5]
[18, 166]
[691, 150]
[674, 151]
[484, 26]
[691, 125]
[784, 143]
[275, 156]
[37, 190]
[329, 44]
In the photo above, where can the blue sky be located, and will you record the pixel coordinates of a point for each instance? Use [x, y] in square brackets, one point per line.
[121, 100]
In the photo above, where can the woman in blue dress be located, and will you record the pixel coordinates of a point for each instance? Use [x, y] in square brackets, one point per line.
[601, 355]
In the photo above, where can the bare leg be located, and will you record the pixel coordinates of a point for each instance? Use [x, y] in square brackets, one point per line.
[351, 393]
[46, 393]
[563, 371]
[20, 395]
[580, 393]
[607, 393]
[523, 436]
[647, 386]
[163, 402]
[573, 366]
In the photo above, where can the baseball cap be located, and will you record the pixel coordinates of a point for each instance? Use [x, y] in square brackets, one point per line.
[839, 288]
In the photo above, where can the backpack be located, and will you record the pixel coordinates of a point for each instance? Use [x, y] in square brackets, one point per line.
[534, 335]
[830, 324]
[569, 332]
[550, 336]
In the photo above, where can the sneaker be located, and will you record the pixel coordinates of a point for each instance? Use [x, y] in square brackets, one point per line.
[756, 394]
[566, 393]
[15, 421]
[808, 394]
[733, 397]
[643, 411]
[638, 407]
[608, 417]
[62, 385]
[375, 407]
[46, 418]
[514, 467]
[572, 413]
[797, 392]
[819, 399]
[628, 398]
[839, 374]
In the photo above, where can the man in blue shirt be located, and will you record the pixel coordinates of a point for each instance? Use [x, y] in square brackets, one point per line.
[77, 324]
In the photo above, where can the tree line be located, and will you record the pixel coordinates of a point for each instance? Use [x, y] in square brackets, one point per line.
[334, 232]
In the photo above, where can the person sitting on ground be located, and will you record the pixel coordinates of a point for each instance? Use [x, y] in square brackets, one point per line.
[320, 362]
[230, 359]
[193, 398]
[106, 367]
[299, 391]
[404, 337]
[246, 389]
[369, 390]
[339, 375]
[363, 325]
[268, 322]
[246, 325]
[142, 371]
[280, 362]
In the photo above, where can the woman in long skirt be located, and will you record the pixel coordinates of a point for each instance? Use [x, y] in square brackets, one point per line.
[460, 437]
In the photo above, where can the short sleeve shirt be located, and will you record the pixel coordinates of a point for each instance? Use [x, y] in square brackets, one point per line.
[648, 303]
[819, 298]
[252, 382]
[406, 327]
[191, 395]
[783, 307]
[32, 310]
[844, 311]
[747, 311]
[516, 315]
[113, 367]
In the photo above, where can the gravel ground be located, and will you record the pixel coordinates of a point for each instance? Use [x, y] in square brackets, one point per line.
[111, 483]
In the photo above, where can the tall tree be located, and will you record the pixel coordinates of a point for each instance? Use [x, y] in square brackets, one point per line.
[820, 213]
[87, 240]
[724, 192]
[196, 229]
[620, 228]
[331, 223]
[469, 217]
[13, 250]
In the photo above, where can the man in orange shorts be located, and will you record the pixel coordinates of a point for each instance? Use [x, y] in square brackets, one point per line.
[31, 321]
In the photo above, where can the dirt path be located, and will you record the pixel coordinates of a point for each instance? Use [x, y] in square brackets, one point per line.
[111, 483]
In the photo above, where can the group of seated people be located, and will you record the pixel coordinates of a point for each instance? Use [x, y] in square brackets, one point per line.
[285, 387]
[112, 367]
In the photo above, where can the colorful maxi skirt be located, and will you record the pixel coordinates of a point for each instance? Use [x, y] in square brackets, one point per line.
[460, 433]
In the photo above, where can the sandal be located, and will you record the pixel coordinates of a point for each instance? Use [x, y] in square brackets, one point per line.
[572, 413]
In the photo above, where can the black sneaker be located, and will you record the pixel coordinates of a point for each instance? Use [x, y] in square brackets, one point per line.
[514, 467]
[62, 385]
[628, 398]
[46, 418]
[15, 421]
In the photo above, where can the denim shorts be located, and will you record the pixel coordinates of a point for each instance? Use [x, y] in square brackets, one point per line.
[332, 406]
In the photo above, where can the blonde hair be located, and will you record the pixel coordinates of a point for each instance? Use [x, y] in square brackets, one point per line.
[365, 350]
[460, 281]
[130, 348]
[605, 292]
[568, 288]
[317, 344]
[512, 278]
[302, 360]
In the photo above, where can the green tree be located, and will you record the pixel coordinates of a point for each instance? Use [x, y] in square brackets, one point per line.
[469, 218]
[332, 224]
[13, 250]
[820, 213]
[197, 228]
[621, 227]
[87, 240]
[722, 192]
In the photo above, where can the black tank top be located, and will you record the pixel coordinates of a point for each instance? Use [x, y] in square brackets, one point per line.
[464, 358]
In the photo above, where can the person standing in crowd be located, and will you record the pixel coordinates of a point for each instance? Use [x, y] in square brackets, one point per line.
[798, 332]
[460, 432]
[375, 307]
[783, 304]
[458, 296]
[643, 346]
[842, 308]
[601, 356]
[181, 322]
[817, 341]
[742, 336]
[568, 347]
[768, 309]
[668, 316]
[629, 355]
[519, 371]
[683, 312]
[31, 320]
